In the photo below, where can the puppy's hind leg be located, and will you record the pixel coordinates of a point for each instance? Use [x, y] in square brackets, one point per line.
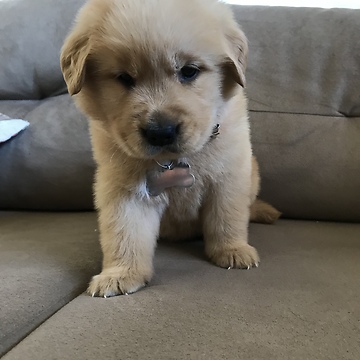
[260, 211]
[263, 213]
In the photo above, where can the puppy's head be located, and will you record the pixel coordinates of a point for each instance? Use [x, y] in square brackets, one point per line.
[157, 73]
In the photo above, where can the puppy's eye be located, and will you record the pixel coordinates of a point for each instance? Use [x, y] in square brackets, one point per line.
[189, 73]
[126, 80]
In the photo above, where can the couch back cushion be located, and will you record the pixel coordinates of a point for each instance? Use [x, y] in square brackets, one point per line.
[31, 35]
[303, 82]
[49, 165]
[303, 60]
[304, 98]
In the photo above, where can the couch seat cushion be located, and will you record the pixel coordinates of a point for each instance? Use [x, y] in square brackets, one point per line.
[301, 303]
[45, 261]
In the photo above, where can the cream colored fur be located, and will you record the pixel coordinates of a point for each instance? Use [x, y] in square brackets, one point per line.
[151, 40]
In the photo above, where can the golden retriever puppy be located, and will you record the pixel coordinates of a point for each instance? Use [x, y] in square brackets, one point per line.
[162, 84]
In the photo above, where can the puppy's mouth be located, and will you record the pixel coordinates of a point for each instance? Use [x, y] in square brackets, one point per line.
[172, 151]
[164, 145]
[175, 148]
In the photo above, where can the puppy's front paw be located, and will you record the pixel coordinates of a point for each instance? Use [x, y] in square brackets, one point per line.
[240, 257]
[115, 281]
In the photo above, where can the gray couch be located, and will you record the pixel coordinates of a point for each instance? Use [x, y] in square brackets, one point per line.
[302, 302]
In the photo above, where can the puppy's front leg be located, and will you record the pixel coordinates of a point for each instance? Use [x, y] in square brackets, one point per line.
[225, 226]
[128, 232]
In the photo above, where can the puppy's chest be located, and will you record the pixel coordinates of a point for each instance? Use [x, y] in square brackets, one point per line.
[180, 188]
[185, 204]
[182, 199]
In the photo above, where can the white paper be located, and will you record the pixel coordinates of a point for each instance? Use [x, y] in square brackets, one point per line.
[10, 127]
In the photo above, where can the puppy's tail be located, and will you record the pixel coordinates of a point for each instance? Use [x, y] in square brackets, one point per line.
[263, 213]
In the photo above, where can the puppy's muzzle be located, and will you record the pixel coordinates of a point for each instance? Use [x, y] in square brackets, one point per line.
[161, 133]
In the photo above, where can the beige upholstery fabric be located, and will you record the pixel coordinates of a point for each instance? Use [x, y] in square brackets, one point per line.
[303, 60]
[301, 303]
[49, 166]
[310, 164]
[31, 34]
[304, 96]
[45, 261]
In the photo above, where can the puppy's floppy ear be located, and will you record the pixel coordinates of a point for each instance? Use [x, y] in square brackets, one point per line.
[237, 50]
[74, 54]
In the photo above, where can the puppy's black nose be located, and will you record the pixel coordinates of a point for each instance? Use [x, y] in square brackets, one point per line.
[160, 134]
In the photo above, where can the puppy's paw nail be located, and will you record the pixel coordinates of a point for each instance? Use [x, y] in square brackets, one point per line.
[229, 268]
[126, 294]
[105, 297]
[248, 268]
[257, 265]
[93, 294]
